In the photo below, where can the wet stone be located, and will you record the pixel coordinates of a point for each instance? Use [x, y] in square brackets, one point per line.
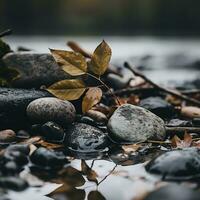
[7, 136]
[51, 109]
[176, 165]
[83, 137]
[97, 116]
[13, 183]
[158, 106]
[48, 159]
[87, 120]
[173, 192]
[131, 123]
[179, 122]
[22, 134]
[52, 132]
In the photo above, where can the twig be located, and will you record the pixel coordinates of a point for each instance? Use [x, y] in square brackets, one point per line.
[175, 130]
[174, 93]
[191, 92]
[5, 33]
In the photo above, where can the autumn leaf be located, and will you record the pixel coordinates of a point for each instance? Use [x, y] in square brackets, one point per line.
[72, 63]
[90, 174]
[91, 98]
[131, 148]
[68, 89]
[178, 143]
[100, 59]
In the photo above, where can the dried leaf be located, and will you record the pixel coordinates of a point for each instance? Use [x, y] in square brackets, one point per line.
[49, 145]
[131, 148]
[91, 98]
[67, 89]
[71, 62]
[90, 174]
[95, 195]
[100, 59]
[186, 142]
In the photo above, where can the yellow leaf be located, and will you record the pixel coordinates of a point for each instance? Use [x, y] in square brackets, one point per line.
[91, 98]
[72, 63]
[100, 59]
[68, 89]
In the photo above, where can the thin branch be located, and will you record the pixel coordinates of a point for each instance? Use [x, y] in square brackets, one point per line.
[176, 130]
[172, 92]
[5, 33]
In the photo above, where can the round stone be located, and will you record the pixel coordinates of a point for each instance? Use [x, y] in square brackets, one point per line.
[83, 137]
[7, 136]
[131, 123]
[51, 109]
[176, 165]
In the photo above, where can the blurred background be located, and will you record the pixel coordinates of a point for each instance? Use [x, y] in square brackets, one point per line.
[101, 17]
[161, 37]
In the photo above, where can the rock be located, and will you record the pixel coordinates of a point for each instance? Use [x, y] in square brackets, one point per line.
[85, 138]
[35, 69]
[7, 136]
[179, 122]
[13, 103]
[173, 192]
[131, 123]
[196, 122]
[158, 106]
[52, 132]
[22, 134]
[13, 183]
[87, 120]
[99, 117]
[48, 159]
[177, 165]
[51, 109]
[116, 81]
[190, 112]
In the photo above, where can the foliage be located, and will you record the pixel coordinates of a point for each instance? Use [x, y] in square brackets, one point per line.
[76, 65]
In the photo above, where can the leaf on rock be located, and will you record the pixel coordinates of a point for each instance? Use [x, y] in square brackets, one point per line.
[95, 195]
[91, 98]
[100, 59]
[90, 174]
[131, 148]
[71, 62]
[68, 89]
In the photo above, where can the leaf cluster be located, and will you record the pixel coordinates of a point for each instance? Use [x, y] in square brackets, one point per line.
[77, 65]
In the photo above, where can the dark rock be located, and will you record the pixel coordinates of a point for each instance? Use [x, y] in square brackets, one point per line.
[86, 138]
[48, 159]
[13, 103]
[97, 116]
[35, 69]
[173, 192]
[51, 109]
[87, 120]
[11, 168]
[52, 132]
[116, 81]
[158, 106]
[179, 122]
[13, 183]
[22, 134]
[23, 148]
[196, 122]
[177, 165]
[131, 123]
[7, 136]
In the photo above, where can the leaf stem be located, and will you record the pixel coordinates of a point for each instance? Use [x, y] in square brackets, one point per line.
[106, 86]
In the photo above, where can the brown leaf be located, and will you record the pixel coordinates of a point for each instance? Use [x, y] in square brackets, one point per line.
[49, 145]
[178, 143]
[95, 195]
[68, 89]
[91, 98]
[71, 62]
[90, 174]
[131, 148]
[100, 59]
[190, 112]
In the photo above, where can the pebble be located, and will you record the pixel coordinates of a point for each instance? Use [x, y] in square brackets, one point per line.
[131, 123]
[87, 138]
[176, 165]
[97, 116]
[190, 112]
[179, 122]
[7, 136]
[51, 109]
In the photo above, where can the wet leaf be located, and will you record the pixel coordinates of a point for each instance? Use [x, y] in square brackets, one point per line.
[178, 143]
[90, 174]
[91, 98]
[95, 195]
[100, 59]
[131, 148]
[72, 177]
[71, 62]
[68, 89]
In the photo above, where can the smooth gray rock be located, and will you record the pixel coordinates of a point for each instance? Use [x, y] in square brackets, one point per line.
[51, 109]
[131, 123]
[13, 103]
[86, 138]
[7, 136]
[35, 69]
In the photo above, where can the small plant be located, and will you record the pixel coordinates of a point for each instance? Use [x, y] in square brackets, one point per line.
[76, 65]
